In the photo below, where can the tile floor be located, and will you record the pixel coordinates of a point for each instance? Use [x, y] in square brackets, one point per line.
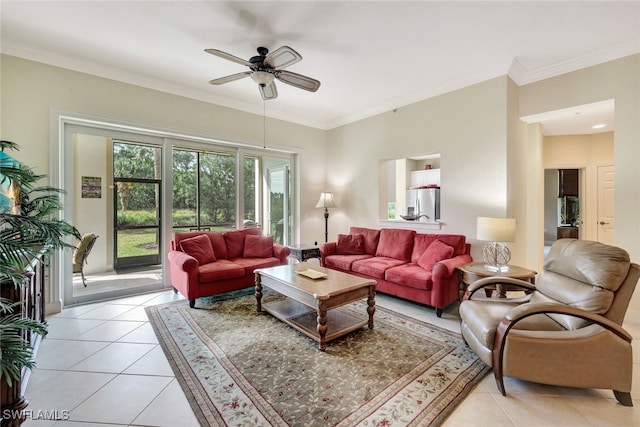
[101, 365]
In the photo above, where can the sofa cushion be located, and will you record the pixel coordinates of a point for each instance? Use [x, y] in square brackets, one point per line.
[258, 246]
[217, 241]
[422, 242]
[395, 243]
[200, 248]
[350, 244]
[343, 262]
[235, 243]
[375, 266]
[437, 251]
[371, 237]
[220, 270]
[411, 275]
[250, 264]
[219, 245]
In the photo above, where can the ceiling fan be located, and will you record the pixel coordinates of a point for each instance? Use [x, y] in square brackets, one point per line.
[265, 67]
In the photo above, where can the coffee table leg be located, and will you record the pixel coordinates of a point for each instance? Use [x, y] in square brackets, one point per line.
[371, 305]
[322, 324]
[258, 292]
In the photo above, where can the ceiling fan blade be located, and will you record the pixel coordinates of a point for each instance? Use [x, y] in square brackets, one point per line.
[230, 78]
[229, 57]
[268, 91]
[298, 80]
[282, 58]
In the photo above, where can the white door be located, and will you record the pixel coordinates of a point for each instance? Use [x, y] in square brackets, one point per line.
[606, 213]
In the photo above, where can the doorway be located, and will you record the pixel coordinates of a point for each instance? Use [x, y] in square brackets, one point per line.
[137, 187]
[563, 204]
[212, 185]
[579, 137]
[117, 195]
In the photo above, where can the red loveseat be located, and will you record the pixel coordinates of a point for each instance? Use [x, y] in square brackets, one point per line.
[209, 263]
[417, 267]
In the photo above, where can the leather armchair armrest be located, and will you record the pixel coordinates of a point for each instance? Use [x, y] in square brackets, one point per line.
[525, 310]
[490, 281]
[513, 316]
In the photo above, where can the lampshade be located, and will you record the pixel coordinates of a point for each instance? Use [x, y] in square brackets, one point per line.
[496, 229]
[326, 201]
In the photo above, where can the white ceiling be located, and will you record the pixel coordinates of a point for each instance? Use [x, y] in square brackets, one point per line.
[371, 57]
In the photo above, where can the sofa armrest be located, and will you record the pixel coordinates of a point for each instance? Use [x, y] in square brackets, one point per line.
[281, 252]
[447, 267]
[182, 261]
[327, 249]
[183, 270]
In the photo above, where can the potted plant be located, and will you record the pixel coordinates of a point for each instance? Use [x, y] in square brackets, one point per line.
[29, 229]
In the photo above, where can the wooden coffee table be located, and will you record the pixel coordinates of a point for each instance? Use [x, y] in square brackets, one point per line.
[313, 305]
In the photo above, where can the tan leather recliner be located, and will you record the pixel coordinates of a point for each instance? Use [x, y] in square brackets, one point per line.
[567, 330]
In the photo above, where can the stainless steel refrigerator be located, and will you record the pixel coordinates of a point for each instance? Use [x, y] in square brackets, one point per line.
[424, 201]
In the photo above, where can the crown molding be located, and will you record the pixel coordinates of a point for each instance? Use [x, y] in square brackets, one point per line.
[522, 76]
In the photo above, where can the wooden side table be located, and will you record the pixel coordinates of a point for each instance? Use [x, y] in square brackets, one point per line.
[304, 252]
[472, 271]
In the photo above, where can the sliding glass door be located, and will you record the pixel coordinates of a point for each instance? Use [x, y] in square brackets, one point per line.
[133, 190]
[204, 190]
[116, 193]
[278, 210]
[211, 192]
[137, 199]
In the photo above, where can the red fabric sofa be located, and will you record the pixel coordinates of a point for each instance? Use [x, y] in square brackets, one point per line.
[209, 263]
[417, 267]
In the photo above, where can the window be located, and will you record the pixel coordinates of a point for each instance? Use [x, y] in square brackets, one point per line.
[204, 190]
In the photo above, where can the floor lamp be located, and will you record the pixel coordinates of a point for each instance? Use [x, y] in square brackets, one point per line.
[326, 201]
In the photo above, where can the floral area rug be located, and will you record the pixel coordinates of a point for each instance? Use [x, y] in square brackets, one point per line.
[239, 367]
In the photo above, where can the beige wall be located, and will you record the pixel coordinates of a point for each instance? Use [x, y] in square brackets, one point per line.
[618, 80]
[491, 163]
[34, 93]
[30, 91]
[468, 127]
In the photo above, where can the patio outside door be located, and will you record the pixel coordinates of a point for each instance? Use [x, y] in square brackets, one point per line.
[137, 200]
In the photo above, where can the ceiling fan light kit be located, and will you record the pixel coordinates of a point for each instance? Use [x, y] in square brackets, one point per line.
[262, 77]
[265, 67]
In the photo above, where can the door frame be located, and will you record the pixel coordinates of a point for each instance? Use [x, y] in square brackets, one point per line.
[62, 124]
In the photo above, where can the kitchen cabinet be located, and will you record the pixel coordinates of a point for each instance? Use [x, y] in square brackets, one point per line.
[568, 183]
[425, 178]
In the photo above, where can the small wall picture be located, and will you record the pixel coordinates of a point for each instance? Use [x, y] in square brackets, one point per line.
[391, 210]
[91, 187]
